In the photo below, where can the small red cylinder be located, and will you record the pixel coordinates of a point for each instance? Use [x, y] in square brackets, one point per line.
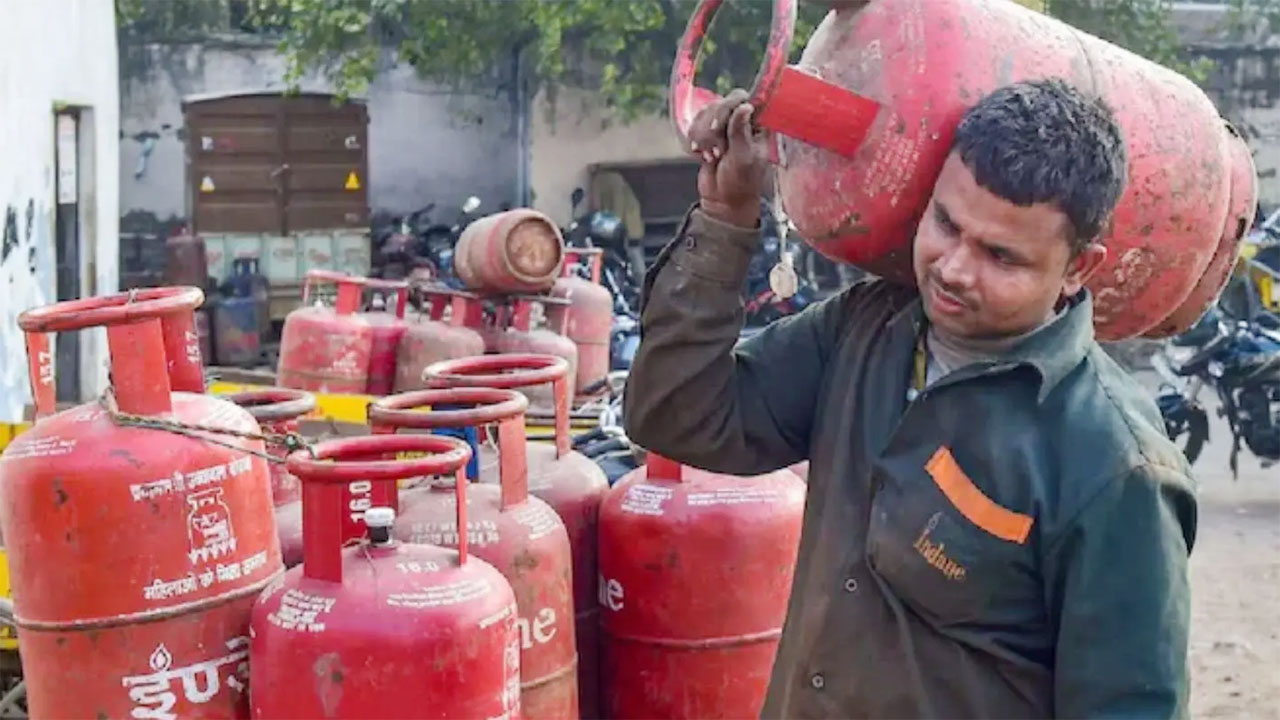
[588, 319]
[521, 535]
[517, 250]
[383, 629]
[327, 349]
[565, 479]
[695, 574]
[433, 338]
[387, 328]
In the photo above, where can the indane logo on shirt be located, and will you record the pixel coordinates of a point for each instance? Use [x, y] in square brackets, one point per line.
[935, 553]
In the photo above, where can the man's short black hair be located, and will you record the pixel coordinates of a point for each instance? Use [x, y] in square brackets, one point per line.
[1046, 141]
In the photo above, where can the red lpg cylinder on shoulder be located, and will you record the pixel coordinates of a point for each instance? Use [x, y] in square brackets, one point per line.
[695, 575]
[520, 535]
[327, 349]
[1241, 209]
[567, 480]
[383, 629]
[135, 553]
[864, 121]
[588, 319]
[515, 251]
[522, 336]
[433, 338]
[277, 411]
[388, 326]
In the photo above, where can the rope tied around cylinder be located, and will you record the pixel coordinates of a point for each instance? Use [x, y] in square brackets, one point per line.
[291, 442]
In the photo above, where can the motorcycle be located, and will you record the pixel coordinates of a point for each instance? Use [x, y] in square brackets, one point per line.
[416, 246]
[1240, 360]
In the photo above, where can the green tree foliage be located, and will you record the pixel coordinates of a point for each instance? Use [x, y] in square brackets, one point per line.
[621, 48]
[1246, 17]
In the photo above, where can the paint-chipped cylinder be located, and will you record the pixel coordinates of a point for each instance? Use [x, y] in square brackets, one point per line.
[1240, 210]
[518, 250]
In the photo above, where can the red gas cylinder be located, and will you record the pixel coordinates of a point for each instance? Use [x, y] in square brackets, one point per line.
[440, 335]
[383, 629]
[1243, 205]
[516, 250]
[695, 573]
[277, 411]
[863, 123]
[522, 336]
[327, 349]
[568, 481]
[520, 535]
[135, 553]
[388, 327]
[588, 319]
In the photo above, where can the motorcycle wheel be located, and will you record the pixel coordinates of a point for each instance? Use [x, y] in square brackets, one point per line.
[1197, 429]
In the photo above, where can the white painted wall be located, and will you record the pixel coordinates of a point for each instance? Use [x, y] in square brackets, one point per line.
[574, 132]
[54, 51]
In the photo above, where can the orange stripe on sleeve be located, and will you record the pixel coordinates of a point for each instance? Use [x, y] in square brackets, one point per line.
[973, 503]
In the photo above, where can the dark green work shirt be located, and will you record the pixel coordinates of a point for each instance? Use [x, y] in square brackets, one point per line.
[1012, 543]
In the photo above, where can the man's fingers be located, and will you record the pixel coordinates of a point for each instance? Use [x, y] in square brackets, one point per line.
[708, 134]
[741, 139]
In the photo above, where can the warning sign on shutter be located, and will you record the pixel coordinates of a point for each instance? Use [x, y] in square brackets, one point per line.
[353, 182]
[206, 185]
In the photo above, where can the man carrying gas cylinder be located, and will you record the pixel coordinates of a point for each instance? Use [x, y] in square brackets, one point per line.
[996, 525]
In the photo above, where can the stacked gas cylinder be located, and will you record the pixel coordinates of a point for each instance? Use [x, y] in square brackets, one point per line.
[523, 294]
[169, 561]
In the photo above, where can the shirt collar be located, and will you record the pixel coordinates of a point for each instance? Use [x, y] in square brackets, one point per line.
[1053, 350]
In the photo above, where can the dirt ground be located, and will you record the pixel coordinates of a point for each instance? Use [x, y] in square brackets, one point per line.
[1235, 583]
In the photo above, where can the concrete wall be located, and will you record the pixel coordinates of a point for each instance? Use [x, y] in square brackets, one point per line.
[571, 133]
[1261, 128]
[426, 143]
[54, 52]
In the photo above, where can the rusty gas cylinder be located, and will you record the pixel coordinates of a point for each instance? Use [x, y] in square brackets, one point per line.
[135, 553]
[1243, 205]
[383, 629]
[516, 250]
[519, 534]
[695, 574]
[447, 331]
[565, 479]
[388, 327]
[277, 411]
[864, 121]
[588, 319]
[522, 335]
[326, 349]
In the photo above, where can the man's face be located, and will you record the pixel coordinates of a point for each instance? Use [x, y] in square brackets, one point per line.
[987, 268]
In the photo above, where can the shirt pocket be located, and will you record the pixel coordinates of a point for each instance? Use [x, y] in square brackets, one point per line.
[942, 545]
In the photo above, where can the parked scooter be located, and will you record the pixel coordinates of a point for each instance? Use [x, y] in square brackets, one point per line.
[1240, 359]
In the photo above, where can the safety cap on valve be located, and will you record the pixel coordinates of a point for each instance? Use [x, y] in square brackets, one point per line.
[379, 521]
